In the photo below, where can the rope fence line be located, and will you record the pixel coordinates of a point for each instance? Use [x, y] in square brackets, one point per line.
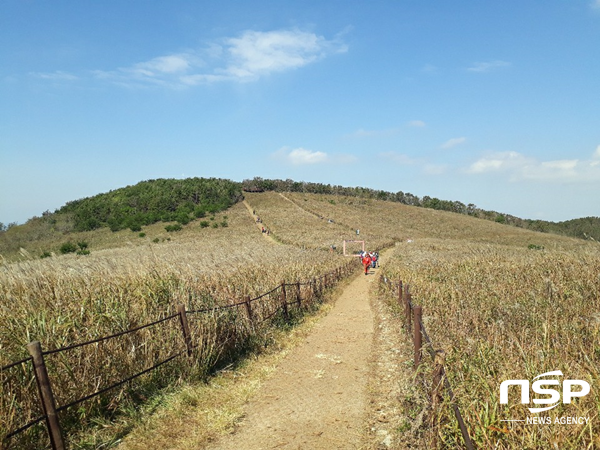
[119, 383]
[106, 338]
[47, 399]
[413, 313]
[16, 363]
[24, 427]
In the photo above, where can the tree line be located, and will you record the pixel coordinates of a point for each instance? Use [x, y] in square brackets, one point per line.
[173, 200]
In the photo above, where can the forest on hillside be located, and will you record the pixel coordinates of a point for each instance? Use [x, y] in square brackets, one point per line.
[152, 201]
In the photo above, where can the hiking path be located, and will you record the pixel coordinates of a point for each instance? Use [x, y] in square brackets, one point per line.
[318, 396]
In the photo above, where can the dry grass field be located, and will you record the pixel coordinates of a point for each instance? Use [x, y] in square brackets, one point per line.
[505, 312]
[70, 299]
[500, 309]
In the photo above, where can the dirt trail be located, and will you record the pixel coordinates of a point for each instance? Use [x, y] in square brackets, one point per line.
[318, 397]
[258, 225]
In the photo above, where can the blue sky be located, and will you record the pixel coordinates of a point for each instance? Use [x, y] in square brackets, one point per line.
[491, 103]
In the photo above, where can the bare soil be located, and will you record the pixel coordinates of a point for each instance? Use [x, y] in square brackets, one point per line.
[317, 398]
[340, 388]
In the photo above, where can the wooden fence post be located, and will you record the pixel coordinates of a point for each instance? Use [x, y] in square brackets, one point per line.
[400, 293]
[185, 328]
[407, 303]
[299, 294]
[46, 396]
[438, 372]
[417, 335]
[284, 301]
[248, 308]
[436, 393]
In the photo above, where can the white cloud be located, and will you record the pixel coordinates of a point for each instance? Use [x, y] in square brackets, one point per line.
[416, 124]
[500, 161]
[164, 65]
[300, 156]
[487, 66]
[257, 53]
[247, 57]
[520, 167]
[56, 76]
[453, 142]
[596, 154]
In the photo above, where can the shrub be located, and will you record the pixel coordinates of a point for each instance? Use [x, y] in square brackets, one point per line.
[183, 218]
[224, 224]
[83, 252]
[215, 225]
[45, 255]
[174, 227]
[156, 240]
[204, 224]
[82, 245]
[68, 247]
[142, 235]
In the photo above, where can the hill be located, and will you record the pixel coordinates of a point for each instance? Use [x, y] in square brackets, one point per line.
[169, 200]
[585, 228]
[133, 278]
[152, 201]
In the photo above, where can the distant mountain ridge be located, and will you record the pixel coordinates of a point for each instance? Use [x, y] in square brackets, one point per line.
[169, 200]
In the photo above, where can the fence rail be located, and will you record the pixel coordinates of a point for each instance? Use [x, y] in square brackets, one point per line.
[413, 314]
[13, 364]
[48, 403]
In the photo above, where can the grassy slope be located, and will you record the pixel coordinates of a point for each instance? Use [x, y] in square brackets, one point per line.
[123, 265]
[386, 220]
[69, 299]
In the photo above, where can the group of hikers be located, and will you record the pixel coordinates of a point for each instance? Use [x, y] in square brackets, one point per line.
[369, 259]
[262, 228]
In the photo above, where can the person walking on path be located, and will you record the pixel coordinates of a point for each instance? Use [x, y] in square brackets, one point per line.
[366, 261]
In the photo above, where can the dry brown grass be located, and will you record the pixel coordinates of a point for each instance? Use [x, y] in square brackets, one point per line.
[499, 309]
[508, 312]
[384, 221]
[201, 412]
[296, 222]
[70, 299]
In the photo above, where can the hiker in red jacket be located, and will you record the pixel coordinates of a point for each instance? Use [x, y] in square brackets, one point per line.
[366, 261]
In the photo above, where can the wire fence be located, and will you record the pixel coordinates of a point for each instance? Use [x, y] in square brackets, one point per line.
[414, 324]
[256, 312]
